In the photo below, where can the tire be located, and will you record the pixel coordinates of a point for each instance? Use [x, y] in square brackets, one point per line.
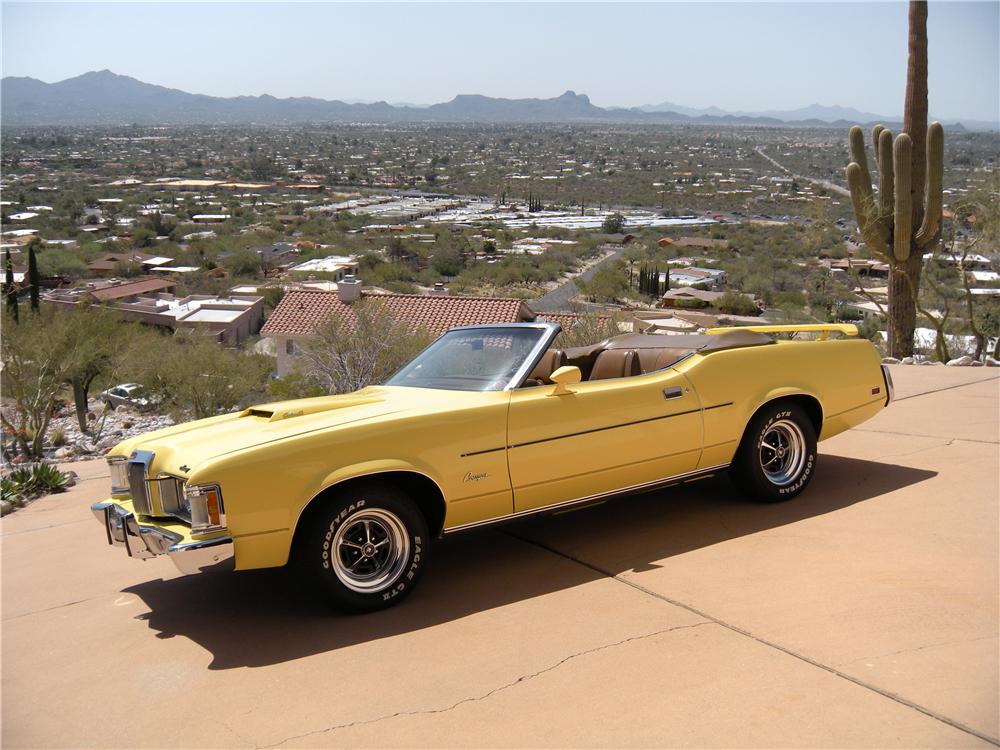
[777, 456]
[367, 548]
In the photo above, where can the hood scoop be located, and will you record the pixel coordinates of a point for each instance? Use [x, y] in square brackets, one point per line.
[300, 408]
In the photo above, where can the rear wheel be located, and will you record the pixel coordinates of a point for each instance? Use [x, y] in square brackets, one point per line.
[777, 457]
[367, 548]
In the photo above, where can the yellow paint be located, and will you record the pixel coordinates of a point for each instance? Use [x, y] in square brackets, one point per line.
[492, 454]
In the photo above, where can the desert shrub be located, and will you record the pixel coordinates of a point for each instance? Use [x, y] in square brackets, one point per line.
[27, 482]
[294, 385]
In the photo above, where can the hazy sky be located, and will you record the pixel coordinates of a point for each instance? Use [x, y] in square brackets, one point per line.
[739, 56]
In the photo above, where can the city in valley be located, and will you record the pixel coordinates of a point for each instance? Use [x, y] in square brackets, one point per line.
[206, 230]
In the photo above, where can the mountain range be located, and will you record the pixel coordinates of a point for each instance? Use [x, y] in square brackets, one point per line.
[106, 98]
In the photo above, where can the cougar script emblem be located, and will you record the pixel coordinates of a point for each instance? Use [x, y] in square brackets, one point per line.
[470, 477]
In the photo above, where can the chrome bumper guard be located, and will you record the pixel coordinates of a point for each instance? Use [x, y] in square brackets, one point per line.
[143, 542]
[890, 391]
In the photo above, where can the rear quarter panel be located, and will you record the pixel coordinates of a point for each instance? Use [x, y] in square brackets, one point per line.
[841, 374]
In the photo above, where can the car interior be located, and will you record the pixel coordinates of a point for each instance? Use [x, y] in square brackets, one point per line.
[636, 354]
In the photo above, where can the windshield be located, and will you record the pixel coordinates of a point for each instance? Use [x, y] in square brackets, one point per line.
[470, 359]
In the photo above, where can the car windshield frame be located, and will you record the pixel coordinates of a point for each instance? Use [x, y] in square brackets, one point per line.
[548, 333]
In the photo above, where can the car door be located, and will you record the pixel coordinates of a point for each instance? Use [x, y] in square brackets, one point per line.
[603, 436]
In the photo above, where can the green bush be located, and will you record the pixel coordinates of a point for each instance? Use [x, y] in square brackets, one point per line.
[27, 482]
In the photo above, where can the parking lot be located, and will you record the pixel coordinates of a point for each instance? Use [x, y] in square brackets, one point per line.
[862, 614]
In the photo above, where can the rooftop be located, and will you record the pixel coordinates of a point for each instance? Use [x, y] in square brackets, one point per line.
[301, 313]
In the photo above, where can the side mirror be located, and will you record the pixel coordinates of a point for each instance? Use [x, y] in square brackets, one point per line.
[563, 377]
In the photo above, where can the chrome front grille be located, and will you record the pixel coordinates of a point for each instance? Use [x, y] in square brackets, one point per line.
[171, 492]
[138, 472]
[139, 489]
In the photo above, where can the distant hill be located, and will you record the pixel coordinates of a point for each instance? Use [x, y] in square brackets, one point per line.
[106, 98]
[811, 114]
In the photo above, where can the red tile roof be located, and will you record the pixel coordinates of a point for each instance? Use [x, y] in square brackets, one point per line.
[132, 288]
[301, 312]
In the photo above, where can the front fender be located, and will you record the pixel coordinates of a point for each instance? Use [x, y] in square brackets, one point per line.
[370, 468]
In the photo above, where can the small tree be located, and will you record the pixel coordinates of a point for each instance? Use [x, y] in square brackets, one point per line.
[351, 352]
[193, 374]
[10, 290]
[607, 285]
[33, 376]
[613, 223]
[588, 329]
[91, 340]
[33, 280]
[735, 303]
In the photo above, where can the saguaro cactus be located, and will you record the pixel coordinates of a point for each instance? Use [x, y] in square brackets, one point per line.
[905, 219]
[886, 224]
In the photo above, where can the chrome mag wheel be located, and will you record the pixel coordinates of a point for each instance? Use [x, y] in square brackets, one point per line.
[370, 550]
[782, 452]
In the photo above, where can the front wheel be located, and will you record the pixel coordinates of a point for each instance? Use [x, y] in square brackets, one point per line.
[777, 457]
[367, 548]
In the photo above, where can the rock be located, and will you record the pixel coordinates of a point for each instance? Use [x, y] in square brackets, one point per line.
[906, 361]
[977, 363]
[991, 362]
[960, 361]
[890, 361]
[65, 452]
[71, 478]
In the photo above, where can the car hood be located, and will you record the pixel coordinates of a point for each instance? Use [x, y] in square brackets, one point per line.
[179, 449]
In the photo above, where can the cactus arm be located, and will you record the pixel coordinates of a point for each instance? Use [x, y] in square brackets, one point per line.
[886, 186]
[873, 232]
[902, 151]
[877, 145]
[856, 182]
[935, 177]
[857, 141]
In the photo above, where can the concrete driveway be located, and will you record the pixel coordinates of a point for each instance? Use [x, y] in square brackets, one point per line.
[863, 614]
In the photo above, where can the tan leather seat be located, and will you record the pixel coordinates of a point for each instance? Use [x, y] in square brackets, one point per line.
[616, 363]
[551, 361]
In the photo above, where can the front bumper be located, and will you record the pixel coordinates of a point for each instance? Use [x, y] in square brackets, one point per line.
[143, 541]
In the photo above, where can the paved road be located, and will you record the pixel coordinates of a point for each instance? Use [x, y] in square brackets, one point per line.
[862, 614]
[832, 186]
[560, 298]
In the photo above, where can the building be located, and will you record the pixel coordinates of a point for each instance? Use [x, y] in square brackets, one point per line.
[691, 275]
[337, 266]
[108, 264]
[230, 320]
[704, 243]
[276, 255]
[301, 313]
[688, 297]
[863, 267]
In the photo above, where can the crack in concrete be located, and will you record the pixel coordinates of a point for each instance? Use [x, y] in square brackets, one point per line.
[915, 648]
[44, 528]
[928, 437]
[936, 446]
[476, 698]
[242, 737]
[764, 642]
[946, 388]
[50, 609]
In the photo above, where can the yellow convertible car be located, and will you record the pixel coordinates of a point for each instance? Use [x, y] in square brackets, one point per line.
[488, 423]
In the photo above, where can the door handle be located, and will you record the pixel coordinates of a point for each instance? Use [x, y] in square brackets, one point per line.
[672, 392]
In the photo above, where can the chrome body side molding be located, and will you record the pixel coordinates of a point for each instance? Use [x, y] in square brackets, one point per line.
[632, 490]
